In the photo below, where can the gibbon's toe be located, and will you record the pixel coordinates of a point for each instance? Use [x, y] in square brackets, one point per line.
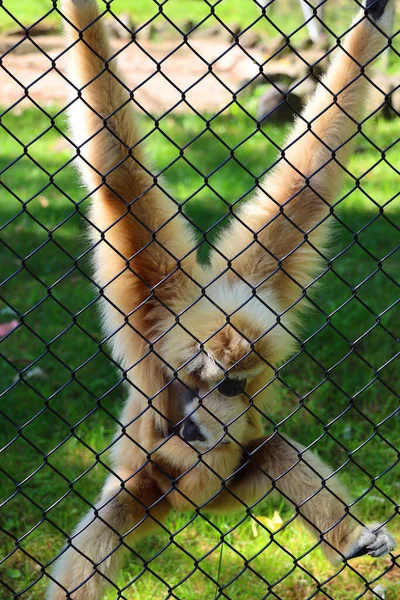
[376, 8]
[374, 540]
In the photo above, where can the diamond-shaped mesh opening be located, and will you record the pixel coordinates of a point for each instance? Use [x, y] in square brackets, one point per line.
[244, 268]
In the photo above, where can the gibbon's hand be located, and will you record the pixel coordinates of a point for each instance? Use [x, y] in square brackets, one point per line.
[375, 540]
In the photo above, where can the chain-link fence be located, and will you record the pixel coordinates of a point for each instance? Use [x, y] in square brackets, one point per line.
[202, 270]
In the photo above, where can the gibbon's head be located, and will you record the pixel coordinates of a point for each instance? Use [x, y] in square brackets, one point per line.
[223, 348]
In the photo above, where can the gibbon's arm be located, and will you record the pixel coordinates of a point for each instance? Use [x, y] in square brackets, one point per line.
[306, 482]
[143, 231]
[291, 203]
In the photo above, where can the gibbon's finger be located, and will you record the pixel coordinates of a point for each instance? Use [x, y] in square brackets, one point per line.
[356, 554]
[374, 540]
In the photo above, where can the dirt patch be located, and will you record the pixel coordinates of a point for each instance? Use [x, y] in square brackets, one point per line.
[36, 68]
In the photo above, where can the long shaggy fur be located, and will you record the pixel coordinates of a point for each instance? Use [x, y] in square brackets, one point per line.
[167, 316]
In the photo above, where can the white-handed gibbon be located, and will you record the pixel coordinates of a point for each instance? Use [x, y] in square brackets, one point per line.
[198, 344]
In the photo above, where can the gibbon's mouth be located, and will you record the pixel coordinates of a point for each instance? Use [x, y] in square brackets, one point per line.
[191, 432]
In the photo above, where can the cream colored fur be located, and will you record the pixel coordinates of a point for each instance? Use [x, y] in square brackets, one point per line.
[170, 337]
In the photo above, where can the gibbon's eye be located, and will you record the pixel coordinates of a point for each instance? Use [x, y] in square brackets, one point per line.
[232, 387]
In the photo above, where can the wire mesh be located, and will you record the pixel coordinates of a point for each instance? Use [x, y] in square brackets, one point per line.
[337, 392]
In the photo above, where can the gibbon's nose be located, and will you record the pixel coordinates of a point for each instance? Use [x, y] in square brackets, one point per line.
[191, 432]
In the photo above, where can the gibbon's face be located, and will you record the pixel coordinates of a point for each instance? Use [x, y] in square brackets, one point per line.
[215, 417]
[225, 362]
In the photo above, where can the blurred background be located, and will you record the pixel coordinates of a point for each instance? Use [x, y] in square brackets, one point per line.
[60, 391]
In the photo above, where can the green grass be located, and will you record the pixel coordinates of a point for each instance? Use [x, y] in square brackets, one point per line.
[283, 18]
[243, 12]
[46, 406]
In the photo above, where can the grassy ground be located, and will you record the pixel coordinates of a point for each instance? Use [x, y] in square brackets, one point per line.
[63, 373]
[283, 18]
[180, 11]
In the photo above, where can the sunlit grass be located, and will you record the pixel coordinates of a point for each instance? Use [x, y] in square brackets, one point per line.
[282, 18]
[286, 17]
[73, 375]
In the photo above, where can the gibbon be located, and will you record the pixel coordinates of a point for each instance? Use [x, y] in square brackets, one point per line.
[198, 344]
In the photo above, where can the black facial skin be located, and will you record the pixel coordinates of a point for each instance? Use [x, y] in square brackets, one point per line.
[232, 387]
[376, 8]
[228, 387]
[191, 431]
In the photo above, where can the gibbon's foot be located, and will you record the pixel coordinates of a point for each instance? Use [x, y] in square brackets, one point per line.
[374, 540]
[376, 8]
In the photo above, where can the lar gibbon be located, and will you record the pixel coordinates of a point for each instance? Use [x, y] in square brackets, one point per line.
[198, 344]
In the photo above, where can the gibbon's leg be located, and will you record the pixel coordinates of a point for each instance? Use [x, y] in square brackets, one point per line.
[138, 233]
[303, 479]
[97, 544]
[290, 204]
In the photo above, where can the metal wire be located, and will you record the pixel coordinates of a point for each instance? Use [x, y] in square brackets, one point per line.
[18, 428]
